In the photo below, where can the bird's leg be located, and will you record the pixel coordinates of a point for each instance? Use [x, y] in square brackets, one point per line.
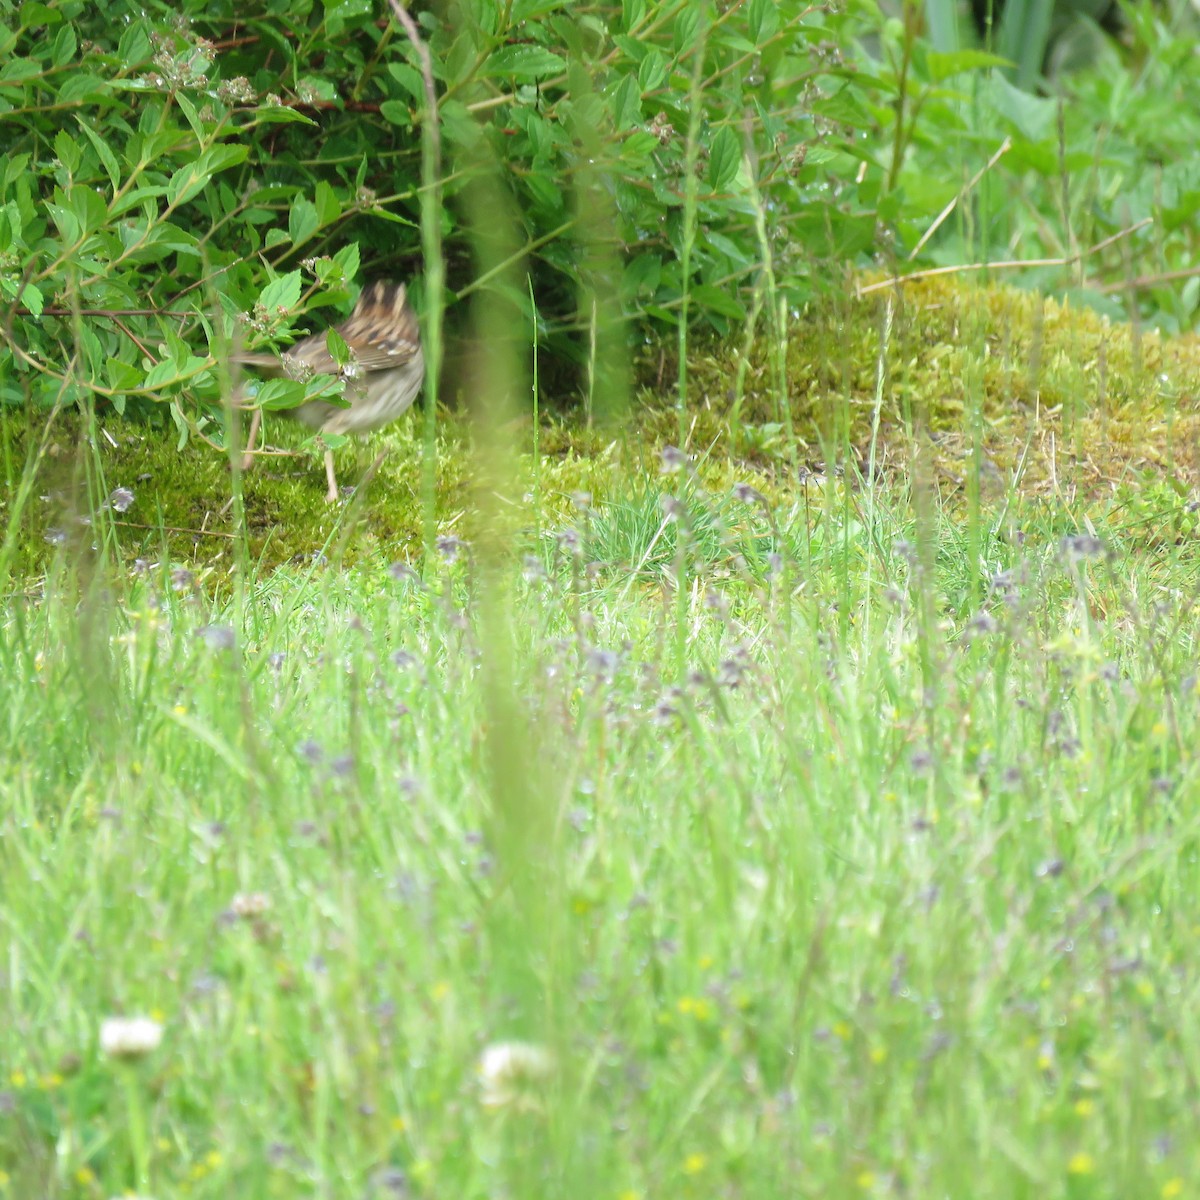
[332, 495]
[255, 422]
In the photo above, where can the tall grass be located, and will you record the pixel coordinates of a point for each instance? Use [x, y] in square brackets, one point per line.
[777, 916]
[824, 842]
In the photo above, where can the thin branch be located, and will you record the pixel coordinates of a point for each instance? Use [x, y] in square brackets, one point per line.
[435, 269]
[1015, 264]
[114, 313]
[177, 529]
[131, 336]
[1145, 281]
[414, 36]
[1005, 147]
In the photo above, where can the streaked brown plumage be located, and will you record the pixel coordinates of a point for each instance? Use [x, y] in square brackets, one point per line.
[382, 379]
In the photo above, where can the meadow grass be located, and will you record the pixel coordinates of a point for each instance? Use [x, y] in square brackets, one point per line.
[876, 878]
[782, 787]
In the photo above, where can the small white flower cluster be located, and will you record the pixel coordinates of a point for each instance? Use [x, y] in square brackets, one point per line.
[512, 1074]
[247, 905]
[130, 1037]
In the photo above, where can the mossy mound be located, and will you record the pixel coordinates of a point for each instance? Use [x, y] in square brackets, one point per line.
[183, 510]
[1027, 395]
[1050, 394]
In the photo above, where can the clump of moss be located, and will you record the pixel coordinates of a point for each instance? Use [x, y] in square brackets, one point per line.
[1037, 386]
[1038, 397]
[183, 510]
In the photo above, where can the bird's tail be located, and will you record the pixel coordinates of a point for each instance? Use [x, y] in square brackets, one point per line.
[260, 361]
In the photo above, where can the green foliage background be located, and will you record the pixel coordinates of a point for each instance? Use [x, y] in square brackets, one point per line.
[179, 177]
[165, 164]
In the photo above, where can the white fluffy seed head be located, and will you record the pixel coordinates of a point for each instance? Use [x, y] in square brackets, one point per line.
[514, 1074]
[129, 1037]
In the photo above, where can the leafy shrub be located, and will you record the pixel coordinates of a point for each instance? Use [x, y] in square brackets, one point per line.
[183, 176]
[1093, 180]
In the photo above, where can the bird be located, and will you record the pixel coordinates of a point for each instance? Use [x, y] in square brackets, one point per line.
[383, 375]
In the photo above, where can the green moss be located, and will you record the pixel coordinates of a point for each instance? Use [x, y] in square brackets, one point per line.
[1040, 386]
[1042, 396]
[183, 510]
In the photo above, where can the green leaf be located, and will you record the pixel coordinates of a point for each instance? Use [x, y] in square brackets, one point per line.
[638, 147]
[707, 296]
[138, 196]
[14, 223]
[641, 276]
[277, 394]
[396, 112]
[33, 299]
[282, 293]
[547, 194]
[221, 157]
[329, 207]
[107, 158]
[187, 182]
[303, 221]
[320, 442]
[724, 158]
[945, 66]
[65, 45]
[162, 374]
[280, 114]
[527, 10]
[626, 104]
[122, 376]
[685, 28]
[633, 12]
[738, 255]
[80, 87]
[459, 124]
[193, 117]
[15, 168]
[18, 69]
[34, 15]
[523, 62]
[337, 14]
[193, 178]
[65, 221]
[134, 46]
[631, 47]
[1032, 116]
[762, 20]
[138, 238]
[88, 206]
[541, 135]
[181, 425]
[336, 345]
[409, 78]
[316, 85]
[67, 151]
[347, 259]
[653, 72]
[730, 39]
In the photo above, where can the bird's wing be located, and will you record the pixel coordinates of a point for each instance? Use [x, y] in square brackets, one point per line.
[382, 331]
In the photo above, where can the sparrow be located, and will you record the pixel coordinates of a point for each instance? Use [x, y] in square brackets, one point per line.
[383, 376]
